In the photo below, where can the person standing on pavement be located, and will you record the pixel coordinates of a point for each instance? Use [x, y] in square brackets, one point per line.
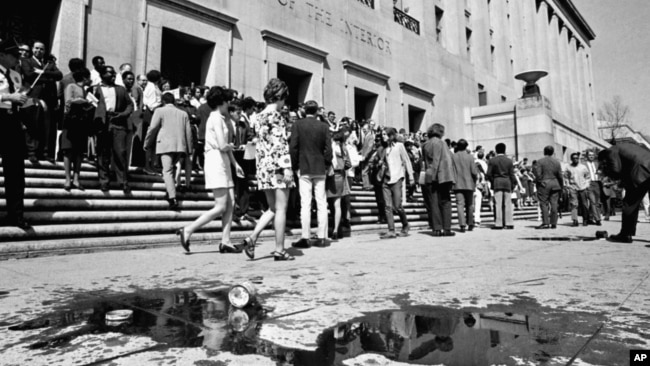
[12, 138]
[577, 176]
[171, 134]
[550, 183]
[466, 174]
[594, 192]
[397, 165]
[482, 186]
[439, 179]
[629, 163]
[501, 175]
[310, 148]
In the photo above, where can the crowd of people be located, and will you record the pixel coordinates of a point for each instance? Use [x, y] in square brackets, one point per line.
[272, 156]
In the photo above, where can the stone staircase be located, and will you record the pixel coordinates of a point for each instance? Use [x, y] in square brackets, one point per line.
[79, 221]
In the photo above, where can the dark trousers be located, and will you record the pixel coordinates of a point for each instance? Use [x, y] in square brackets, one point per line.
[440, 205]
[150, 157]
[631, 203]
[593, 194]
[393, 202]
[465, 205]
[50, 121]
[548, 204]
[121, 141]
[32, 118]
[379, 197]
[12, 149]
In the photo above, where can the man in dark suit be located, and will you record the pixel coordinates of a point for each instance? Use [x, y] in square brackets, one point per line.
[548, 176]
[466, 173]
[311, 156]
[113, 129]
[629, 163]
[366, 142]
[501, 174]
[44, 69]
[12, 138]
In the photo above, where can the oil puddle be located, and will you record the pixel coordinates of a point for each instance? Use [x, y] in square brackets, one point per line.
[563, 238]
[414, 335]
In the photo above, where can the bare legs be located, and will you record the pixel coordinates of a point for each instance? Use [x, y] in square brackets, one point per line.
[72, 162]
[223, 206]
[277, 200]
[337, 214]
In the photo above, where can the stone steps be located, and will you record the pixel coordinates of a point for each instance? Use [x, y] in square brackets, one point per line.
[90, 220]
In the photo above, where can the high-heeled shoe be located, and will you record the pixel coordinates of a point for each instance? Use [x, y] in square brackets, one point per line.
[78, 186]
[185, 244]
[229, 249]
[67, 187]
[249, 247]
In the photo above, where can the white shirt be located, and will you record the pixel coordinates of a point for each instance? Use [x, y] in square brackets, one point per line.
[109, 97]
[593, 172]
[95, 78]
[152, 96]
[4, 85]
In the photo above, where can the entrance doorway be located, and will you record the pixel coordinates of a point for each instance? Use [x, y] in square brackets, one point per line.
[364, 104]
[416, 117]
[298, 82]
[30, 20]
[185, 59]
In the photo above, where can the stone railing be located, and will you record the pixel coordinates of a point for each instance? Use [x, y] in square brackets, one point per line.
[406, 21]
[368, 3]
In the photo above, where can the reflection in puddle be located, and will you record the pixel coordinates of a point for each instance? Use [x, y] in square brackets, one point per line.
[418, 335]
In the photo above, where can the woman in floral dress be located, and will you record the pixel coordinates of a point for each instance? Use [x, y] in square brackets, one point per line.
[274, 173]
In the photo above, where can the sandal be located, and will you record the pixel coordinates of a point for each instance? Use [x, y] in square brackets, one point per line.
[185, 244]
[223, 248]
[249, 247]
[282, 256]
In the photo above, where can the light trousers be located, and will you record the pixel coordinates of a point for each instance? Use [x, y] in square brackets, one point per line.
[313, 186]
[503, 209]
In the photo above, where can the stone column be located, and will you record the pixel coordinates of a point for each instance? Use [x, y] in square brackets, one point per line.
[542, 30]
[575, 88]
[528, 27]
[554, 64]
[563, 44]
[583, 85]
[68, 39]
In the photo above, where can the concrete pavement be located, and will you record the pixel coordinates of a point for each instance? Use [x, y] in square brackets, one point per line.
[565, 288]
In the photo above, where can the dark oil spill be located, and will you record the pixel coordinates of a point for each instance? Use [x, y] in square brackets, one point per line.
[562, 238]
[415, 335]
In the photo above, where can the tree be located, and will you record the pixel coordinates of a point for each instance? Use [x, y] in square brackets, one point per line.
[613, 115]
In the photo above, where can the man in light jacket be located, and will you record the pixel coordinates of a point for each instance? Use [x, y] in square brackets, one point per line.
[466, 174]
[170, 135]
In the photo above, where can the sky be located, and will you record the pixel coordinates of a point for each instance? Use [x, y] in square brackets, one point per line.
[621, 54]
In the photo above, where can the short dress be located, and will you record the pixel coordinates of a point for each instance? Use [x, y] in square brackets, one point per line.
[76, 121]
[217, 170]
[272, 151]
[337, 185]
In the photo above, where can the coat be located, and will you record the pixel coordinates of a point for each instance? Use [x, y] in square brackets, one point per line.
[437, 158]
[501, 173]
[123, 109]
[310, 147]
[46, 88]
[548, 174]
[628, 162]
[367, 143]
[171, 131]
[465, 171]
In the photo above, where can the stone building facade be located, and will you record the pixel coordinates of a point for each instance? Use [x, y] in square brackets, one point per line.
[404, 63]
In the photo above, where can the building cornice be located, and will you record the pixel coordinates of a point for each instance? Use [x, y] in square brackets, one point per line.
[414, 89]
[271, 36]
[573, 16]
[347, 64]
[197, 11]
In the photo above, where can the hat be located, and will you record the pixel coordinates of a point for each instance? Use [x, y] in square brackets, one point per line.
[9, 47]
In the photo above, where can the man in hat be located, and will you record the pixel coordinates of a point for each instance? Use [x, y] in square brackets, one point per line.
[12, 137]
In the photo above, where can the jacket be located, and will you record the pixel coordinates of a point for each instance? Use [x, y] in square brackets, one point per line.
[170, 127]
[628, 162]
[439, 165]
[548, 174]
[310, 147]
[501, 173]
[465, 171]
[123, 109]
